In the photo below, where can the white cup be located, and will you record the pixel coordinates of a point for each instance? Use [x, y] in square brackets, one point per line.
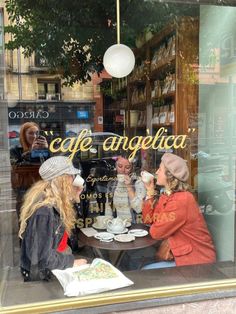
[121, 178]
[146, 176]
[101, 221]
[78, 181]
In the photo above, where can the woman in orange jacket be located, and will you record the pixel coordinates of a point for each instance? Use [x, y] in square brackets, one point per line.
[176, 218]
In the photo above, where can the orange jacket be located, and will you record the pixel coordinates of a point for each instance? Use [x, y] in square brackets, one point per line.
[178, 218]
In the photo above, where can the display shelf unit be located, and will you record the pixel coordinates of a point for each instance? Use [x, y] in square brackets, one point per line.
[164, 96]
[116, 108]
[167, 76]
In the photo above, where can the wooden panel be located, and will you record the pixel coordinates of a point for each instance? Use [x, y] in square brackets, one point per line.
[187, 87]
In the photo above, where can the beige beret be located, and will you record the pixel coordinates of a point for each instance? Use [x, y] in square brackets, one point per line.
[176, 165]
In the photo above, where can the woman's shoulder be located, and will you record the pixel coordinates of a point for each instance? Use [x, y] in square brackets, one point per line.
[16, 149]
[181, 195]
[45, 211]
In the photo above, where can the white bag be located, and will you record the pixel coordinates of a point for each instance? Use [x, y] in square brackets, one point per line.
[91, 278]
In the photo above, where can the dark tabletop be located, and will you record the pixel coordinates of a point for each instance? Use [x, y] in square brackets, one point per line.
[138, 243]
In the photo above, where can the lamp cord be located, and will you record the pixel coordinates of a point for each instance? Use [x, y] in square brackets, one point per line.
[118, 20]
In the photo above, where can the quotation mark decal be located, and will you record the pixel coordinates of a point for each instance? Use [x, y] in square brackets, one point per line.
[48, 133]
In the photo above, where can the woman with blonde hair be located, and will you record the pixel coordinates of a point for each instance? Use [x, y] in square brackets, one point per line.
[47, 217]
[176, 218]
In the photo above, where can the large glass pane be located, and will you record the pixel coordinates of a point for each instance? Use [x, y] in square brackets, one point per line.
[57, 100]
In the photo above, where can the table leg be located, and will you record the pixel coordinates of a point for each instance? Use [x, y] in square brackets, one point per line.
[116, 261]
[118, 258]
[98, 253]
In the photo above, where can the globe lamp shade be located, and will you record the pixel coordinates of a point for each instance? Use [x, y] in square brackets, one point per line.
[119, 60]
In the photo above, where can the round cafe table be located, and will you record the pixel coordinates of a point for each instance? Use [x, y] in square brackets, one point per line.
[100, 246]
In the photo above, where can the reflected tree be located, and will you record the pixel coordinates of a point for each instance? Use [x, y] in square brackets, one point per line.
[73, 35]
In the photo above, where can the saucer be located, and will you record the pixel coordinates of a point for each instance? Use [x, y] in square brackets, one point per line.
[138, 232]
[117, 232]
[104, 236]
[124, 237]
[94, 225]
[127, 224]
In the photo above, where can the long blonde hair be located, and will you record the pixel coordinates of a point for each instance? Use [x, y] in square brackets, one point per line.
[58, 193]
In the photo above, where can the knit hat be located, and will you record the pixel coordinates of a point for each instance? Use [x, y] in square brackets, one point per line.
[57, 166]
[176, 165]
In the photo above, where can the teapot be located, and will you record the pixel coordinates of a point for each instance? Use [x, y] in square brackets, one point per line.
[116, 224]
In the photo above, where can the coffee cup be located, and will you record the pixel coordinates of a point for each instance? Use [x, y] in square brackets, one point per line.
[78, 181]
[146, 176]
[121, 178]
[101, 221]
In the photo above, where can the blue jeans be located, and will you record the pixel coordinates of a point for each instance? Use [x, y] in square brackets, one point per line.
[160, 265]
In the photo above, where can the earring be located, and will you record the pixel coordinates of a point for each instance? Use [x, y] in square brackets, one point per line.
[168, 192]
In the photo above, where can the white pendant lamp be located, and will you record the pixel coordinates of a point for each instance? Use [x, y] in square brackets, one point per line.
[118, 59]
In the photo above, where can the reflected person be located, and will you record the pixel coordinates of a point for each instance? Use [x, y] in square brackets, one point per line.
[26, 159]
[30, 140]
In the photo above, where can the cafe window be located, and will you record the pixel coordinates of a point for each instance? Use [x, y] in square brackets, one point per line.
[151, 185]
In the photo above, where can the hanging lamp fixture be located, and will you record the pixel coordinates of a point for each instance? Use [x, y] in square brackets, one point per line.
[118, 59]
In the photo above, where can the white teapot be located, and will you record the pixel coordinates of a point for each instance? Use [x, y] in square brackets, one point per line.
[116, 224]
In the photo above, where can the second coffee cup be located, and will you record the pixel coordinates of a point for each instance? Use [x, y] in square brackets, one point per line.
[146, 176]
[78, 181]
[121, 178]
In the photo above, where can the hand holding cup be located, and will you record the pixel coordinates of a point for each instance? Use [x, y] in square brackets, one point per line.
[120, 178]
[127, 180]
[148, 180]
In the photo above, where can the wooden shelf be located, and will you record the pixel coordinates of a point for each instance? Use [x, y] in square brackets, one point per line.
[162, 125]
[142, 104]
[140, 126]
[163, 67]
[164, 96]
[140, 81]
[118, 105]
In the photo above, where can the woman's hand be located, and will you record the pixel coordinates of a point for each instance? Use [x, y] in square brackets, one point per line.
[127, 180]
[40, 143]
[129, 187]
[79, 262]
[150, 187]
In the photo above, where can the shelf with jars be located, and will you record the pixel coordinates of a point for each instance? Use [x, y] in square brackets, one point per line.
[115, 109]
